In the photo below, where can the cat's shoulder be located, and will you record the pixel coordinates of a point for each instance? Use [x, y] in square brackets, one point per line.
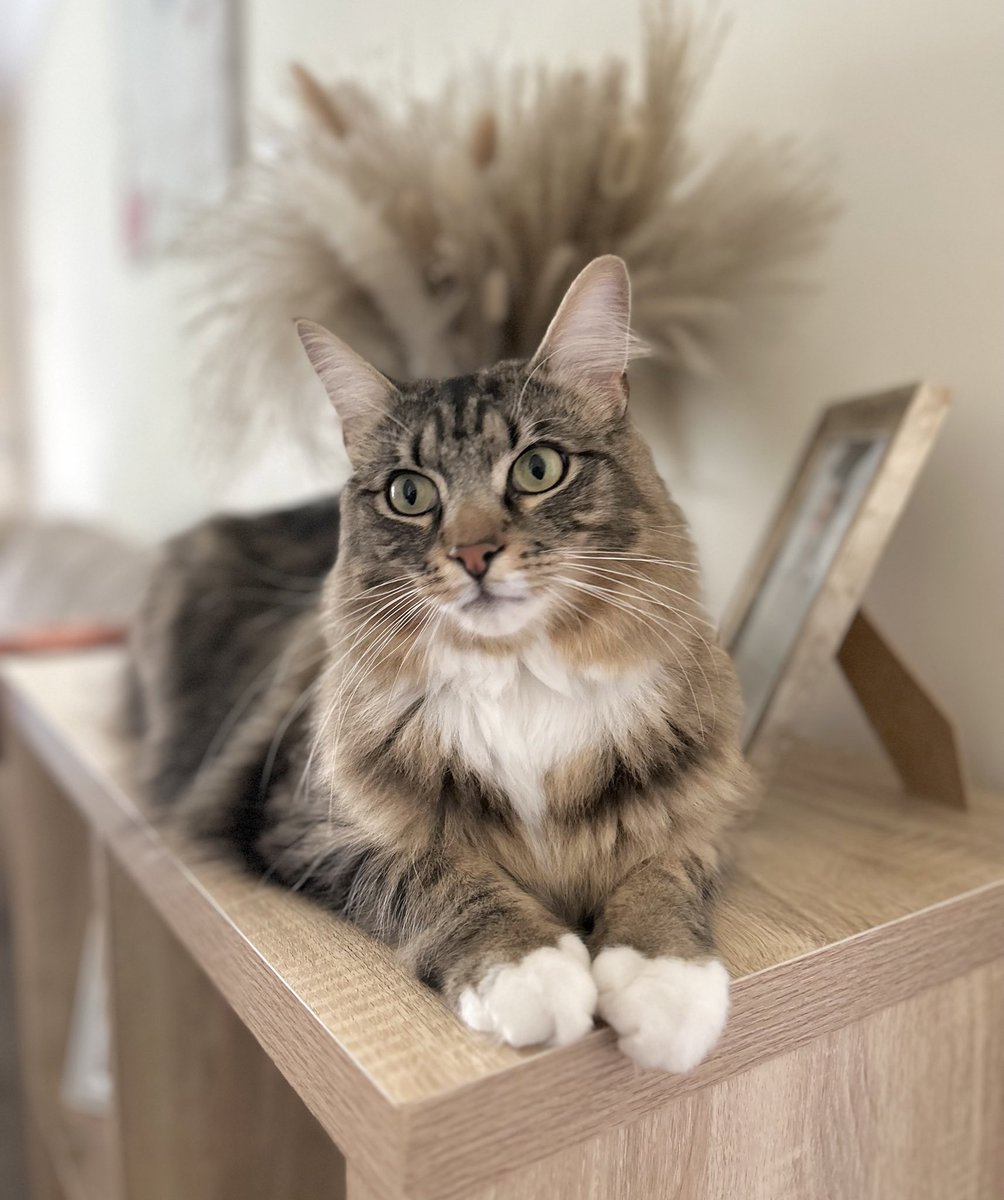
[307, 533]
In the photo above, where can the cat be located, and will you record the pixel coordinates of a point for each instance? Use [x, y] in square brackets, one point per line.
[474, 704]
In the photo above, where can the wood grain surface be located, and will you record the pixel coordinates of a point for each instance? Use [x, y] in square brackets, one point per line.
[905, 1105]
[847, 898]
[50, 859]
[203, 1113]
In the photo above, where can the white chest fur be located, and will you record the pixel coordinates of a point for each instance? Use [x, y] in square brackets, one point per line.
[514, 719]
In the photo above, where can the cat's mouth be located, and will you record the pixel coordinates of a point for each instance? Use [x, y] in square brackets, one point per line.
[496, 609]
[486, 599]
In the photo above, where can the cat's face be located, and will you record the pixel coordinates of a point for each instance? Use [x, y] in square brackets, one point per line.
[485, 496]
[495, 503]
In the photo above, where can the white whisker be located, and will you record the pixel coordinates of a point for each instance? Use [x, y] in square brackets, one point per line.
[654, 622]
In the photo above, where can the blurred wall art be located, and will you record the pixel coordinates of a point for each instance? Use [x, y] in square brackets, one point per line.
[179, 65]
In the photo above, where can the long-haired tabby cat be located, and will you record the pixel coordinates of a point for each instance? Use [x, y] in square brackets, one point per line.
[473, 705]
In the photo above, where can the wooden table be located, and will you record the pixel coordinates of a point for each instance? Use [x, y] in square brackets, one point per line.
[265, 1051]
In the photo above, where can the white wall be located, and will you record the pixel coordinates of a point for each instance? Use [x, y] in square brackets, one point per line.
[908, 99]
[11, 441]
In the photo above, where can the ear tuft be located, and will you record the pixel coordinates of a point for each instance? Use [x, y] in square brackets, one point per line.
[360, 394]
[588, 342]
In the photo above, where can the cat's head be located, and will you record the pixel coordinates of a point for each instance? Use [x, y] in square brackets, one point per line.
[501, 502]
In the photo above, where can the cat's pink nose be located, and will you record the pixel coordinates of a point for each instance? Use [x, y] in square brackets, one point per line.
[476, 558]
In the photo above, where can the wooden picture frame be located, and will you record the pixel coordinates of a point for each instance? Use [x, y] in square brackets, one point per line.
[799, 604]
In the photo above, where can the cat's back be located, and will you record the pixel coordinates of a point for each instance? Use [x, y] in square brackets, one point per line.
[221, 606]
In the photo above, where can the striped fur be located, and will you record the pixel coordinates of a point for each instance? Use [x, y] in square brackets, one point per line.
[503, 779]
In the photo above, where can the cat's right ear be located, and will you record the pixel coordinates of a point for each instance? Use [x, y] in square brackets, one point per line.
[360, 394]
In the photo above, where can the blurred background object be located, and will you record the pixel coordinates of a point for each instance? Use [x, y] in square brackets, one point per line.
[438, 233]
[64, 583]
[181, 114]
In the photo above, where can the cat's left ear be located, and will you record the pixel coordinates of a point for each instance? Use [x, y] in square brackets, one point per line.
[360, 394]
[586, 345]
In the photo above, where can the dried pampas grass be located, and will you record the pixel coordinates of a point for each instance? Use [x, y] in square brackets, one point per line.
[437, 237]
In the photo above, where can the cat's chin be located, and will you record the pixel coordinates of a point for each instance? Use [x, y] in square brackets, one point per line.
[497, 614]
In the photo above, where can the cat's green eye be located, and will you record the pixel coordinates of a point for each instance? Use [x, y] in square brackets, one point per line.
[411, 494]
[538, 469]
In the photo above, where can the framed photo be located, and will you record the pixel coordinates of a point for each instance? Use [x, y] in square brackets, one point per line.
[806, 581]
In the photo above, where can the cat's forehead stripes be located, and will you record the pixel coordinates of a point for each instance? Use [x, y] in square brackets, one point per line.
[469, 402]
[461, 423]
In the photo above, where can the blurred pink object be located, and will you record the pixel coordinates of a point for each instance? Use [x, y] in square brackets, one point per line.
[71, 635]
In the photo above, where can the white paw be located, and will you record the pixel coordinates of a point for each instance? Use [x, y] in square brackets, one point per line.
[668, 1012]
[548, 996]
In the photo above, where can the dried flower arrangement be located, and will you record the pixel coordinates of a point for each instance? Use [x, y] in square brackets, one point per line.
[437, 238]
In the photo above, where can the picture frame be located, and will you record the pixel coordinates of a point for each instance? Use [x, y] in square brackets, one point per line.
[799, 604]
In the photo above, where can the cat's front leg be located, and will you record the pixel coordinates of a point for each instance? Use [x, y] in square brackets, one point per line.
[505, 965]
[661, 986]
